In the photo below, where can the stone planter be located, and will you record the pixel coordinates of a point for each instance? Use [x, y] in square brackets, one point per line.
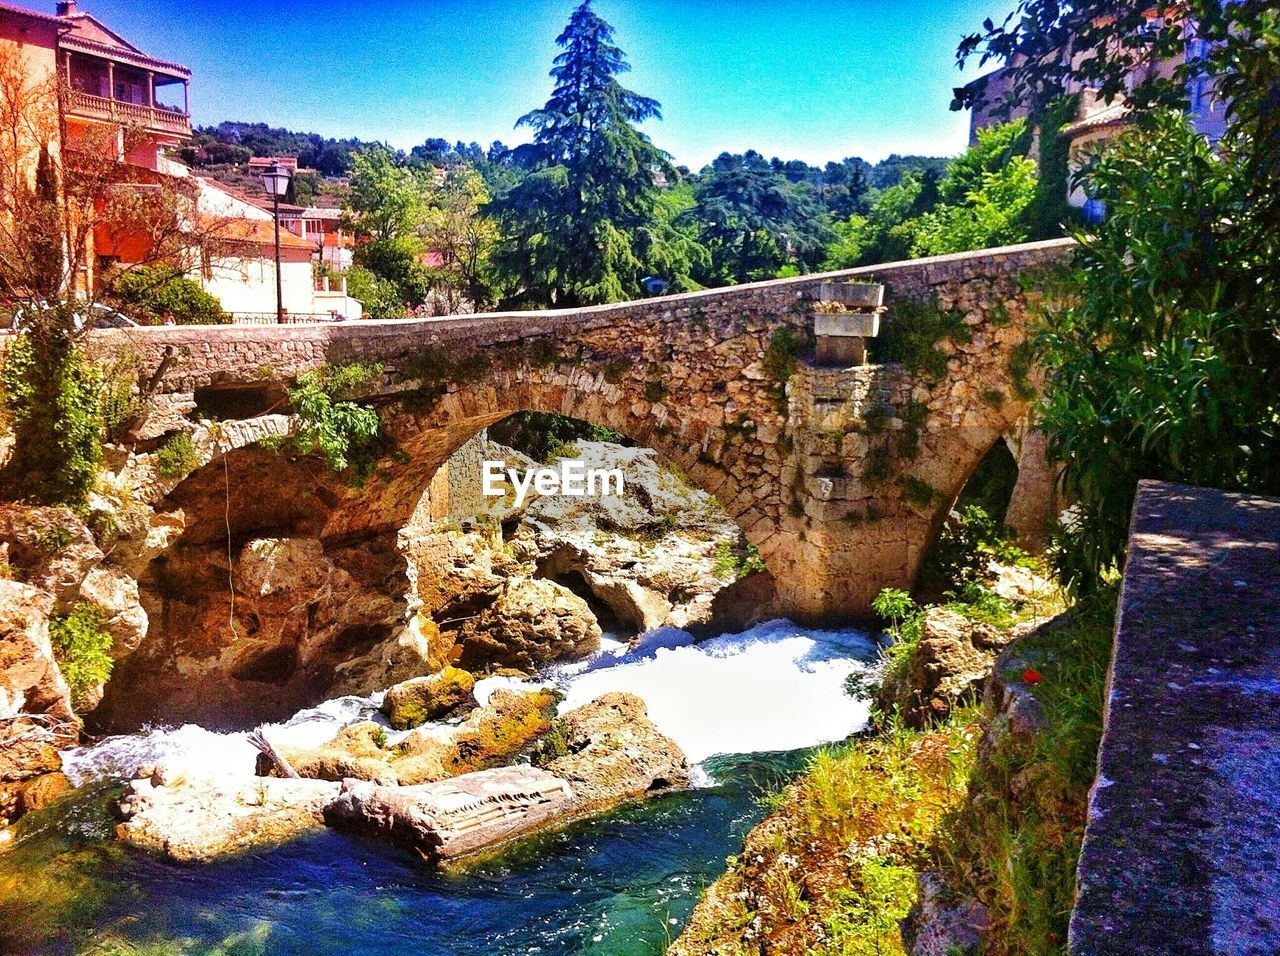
[854, 295]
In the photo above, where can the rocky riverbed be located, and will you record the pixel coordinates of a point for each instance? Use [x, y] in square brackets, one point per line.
[550, 664]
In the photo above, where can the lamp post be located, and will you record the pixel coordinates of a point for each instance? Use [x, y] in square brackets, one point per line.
[276, 181]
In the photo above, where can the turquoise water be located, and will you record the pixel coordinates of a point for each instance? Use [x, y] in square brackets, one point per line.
[621, 885]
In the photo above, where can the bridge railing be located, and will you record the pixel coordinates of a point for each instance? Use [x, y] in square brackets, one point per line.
[290, 318]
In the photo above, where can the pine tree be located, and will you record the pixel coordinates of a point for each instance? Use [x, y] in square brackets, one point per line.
[580, 227]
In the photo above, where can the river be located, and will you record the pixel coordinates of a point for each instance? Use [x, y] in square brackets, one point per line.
[745, 708]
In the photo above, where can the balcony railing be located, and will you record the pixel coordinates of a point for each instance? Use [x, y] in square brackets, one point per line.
[153, 118]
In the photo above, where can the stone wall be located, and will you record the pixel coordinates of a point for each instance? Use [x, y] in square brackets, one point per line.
[1180, 849]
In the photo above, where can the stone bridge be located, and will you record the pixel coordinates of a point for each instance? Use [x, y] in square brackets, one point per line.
[840, 476]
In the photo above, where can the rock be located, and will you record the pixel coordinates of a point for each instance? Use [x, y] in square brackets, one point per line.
[952, 660]
[530, 624]
[416, 701]
[290, 624]
[36, 717]
[610, 751]
[41, 791]
[451, 818]
[945, 926]
[649, 556]
[117, 595]
[739, 606]
[358, 750]
[490, 736]
[417, 649]
[49, 548]
[198, 819]
[496, 733]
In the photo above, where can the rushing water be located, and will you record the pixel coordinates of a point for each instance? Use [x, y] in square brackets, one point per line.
[744, 708]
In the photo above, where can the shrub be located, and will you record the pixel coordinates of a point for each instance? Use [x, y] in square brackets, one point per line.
[176, 457]
[345, 433]
[1166, 365]
[82, 646]
[151, 291]
[970, 539]
[49, 397]
[780, 354]
[912, 336]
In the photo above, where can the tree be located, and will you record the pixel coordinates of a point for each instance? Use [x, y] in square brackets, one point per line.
[574, 228]
[983, 198]
[463, 236]
[753, 221]
[993, 213]
[1162, 358]
[996, 148]
[387, 199]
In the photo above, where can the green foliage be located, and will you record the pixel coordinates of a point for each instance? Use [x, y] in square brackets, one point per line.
[344, 432]
[1014, 846]
[176, 457]
[53, 539]
[970, 539]
[731, 562]
[1051, 214]
[49, 398]
[780, 354]
[82, 646]
[983, 199]
[577, 229]
[654, 391]
[993, 213]
[917, 492]
[1164, 360]
[913, 333]
[615, 370]
[387, 199]
[752, 221]
[894, 605]
[155, 292]
[544, 436]
[382, 298]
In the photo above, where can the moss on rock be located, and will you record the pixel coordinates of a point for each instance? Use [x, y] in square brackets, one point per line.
[422, 699]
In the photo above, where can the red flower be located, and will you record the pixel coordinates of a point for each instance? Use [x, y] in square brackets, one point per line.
[1032, 676]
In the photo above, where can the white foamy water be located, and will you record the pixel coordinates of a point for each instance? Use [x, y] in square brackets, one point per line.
[775, 687]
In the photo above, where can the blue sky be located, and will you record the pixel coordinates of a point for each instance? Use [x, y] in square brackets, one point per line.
[809, 80]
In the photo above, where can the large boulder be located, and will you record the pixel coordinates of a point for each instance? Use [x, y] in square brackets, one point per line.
[952, 660]
[52, 550]
[656, 554]
[48, 548]
[36, 717]
[417, 701]
[291, 622]
[531, 623]
[193, 819]
[610, 751]
[491, 736]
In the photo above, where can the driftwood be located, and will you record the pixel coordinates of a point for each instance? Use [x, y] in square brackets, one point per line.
[259, 740]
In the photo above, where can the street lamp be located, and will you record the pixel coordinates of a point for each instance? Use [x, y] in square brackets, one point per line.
[276, 181]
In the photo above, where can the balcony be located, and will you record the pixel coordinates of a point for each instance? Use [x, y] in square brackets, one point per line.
[153, 119]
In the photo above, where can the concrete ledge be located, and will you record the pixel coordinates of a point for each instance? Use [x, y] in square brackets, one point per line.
[1182, 847]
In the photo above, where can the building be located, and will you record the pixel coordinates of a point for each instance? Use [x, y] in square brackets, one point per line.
[105, 90]
[1096, 120]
